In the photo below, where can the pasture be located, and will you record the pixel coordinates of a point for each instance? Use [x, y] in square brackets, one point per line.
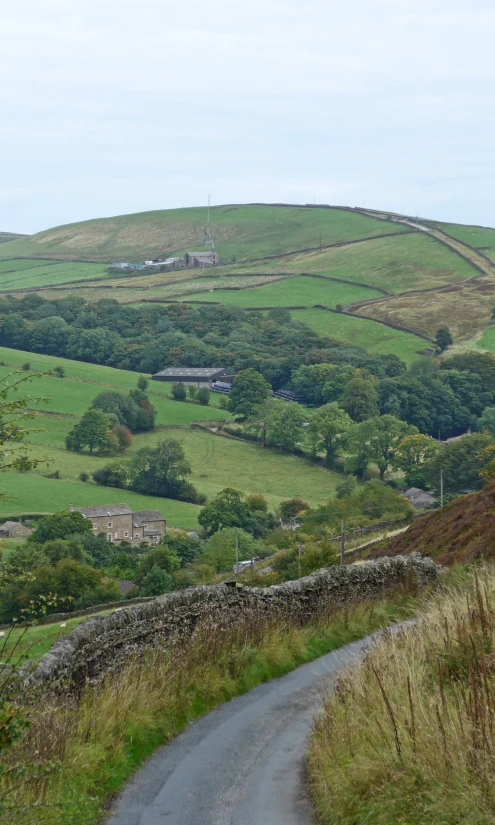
[239, 231]
[297, 291]
[215, 462]
[26, 274]
[363, 332]
[477, 236]
[31, 494]
[487, 340]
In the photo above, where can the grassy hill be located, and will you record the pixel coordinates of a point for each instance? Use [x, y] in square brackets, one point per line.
[5, 237]
[215, 461]
[463, 530]
[242, 231]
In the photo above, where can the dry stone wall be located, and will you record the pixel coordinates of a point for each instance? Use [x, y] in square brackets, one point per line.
[102, 643]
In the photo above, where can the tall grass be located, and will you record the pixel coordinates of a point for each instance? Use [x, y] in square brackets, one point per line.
[79, 751]
[409, 735]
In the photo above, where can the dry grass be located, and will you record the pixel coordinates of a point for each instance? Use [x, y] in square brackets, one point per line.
[465, 310]
[408, 737]
[78, 752]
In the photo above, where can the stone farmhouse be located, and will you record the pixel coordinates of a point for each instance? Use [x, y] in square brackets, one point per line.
[119, 523]
[14, 529]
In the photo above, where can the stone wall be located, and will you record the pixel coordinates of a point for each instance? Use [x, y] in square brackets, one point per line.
[104, 642]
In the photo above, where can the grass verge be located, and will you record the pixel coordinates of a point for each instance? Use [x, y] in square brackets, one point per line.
[84, 749]
[408, 737]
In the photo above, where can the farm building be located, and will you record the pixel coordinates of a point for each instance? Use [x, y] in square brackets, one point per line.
[14, 529]
[202, 258]
[199, 377]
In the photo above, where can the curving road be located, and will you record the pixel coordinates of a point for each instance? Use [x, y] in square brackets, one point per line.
[242, 764]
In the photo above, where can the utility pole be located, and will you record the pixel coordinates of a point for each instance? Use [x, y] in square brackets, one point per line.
[342, 543]
[441, 487]
[320, 242]
[299, 551]
[236, 551]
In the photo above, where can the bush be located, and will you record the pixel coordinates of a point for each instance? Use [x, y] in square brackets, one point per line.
[292, 507]
[192, 392]
[224, 402]
[26, 366]
[59, 371]
[84, 477]
[142, 383]
[179, 392]
[123, 436]
[204, 396]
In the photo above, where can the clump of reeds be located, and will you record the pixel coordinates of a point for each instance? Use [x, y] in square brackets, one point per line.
[409, 735]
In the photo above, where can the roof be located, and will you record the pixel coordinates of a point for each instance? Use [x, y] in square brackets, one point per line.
[105, 510]
[419, 498]
[204, 254]
[15, 525]
[140, 517]
[173, 372]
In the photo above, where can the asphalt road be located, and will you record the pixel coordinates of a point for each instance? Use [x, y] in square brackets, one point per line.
[243, 763]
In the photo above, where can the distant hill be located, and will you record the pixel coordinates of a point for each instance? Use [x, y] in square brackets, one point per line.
[6, 237]
[463, 530]
[241, 232]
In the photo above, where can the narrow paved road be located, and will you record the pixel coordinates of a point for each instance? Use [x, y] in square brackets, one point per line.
[243, 764]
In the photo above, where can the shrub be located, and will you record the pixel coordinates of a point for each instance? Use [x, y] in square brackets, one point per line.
[179, 392]
[84, 477]
[292, 507]
[26, 366]
[123, 435]
[204, 396]
[142, 383]
[192, 392]
[59, 371]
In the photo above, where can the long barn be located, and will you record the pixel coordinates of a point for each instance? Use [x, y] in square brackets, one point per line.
[202, 377]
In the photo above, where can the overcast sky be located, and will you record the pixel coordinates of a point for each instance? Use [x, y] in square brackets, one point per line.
[111, 106]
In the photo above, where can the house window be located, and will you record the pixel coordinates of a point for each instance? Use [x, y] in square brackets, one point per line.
[109, 524]
[136, 536]
[109, 537]
[126, 535]
[157, 539]
[95, 527]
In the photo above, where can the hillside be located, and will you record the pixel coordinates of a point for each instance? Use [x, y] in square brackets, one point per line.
[242, 231]
[397, 279]
[5, 237]
[463, 530]
[214, 461]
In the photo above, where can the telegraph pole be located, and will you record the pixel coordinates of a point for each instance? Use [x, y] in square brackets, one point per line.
[342, 543]
[236, 551]
[299, 551]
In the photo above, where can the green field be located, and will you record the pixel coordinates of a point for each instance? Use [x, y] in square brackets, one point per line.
[215, 463]
[477, 236]
[302, 291]
[23, 274]
[487, 340]
[397, 264]
[363, 332]
[240, 231]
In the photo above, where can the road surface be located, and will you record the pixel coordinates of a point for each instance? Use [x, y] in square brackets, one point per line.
[243, 763]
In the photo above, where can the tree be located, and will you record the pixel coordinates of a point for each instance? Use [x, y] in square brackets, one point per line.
[161, 470]
[360, 398]
[257, 503]
[61, 525]
[220, 550]
[460, 462]
[204, 396]
[192, 392]
[346, 487]
[410, 455]
[142, 383]
[249, 390]
[133, 411]
[116, 474]
[93, 431]
[161, 557]
[328, 429]
[291, 508]
[284, 424]
[443, 338]
[123, 435]
[487, 420]
[179, 392]
[227, 509]
[385, 436]
[50, 336]
[156, 582]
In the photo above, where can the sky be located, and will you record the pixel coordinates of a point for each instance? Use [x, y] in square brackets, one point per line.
[110, 106]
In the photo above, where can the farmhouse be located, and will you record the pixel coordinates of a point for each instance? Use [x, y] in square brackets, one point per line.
[119, 523]
[13, 529]
[202, 259]
[187, 375]
[419, 498]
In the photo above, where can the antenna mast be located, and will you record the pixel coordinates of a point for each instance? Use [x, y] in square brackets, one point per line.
[208, 240]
